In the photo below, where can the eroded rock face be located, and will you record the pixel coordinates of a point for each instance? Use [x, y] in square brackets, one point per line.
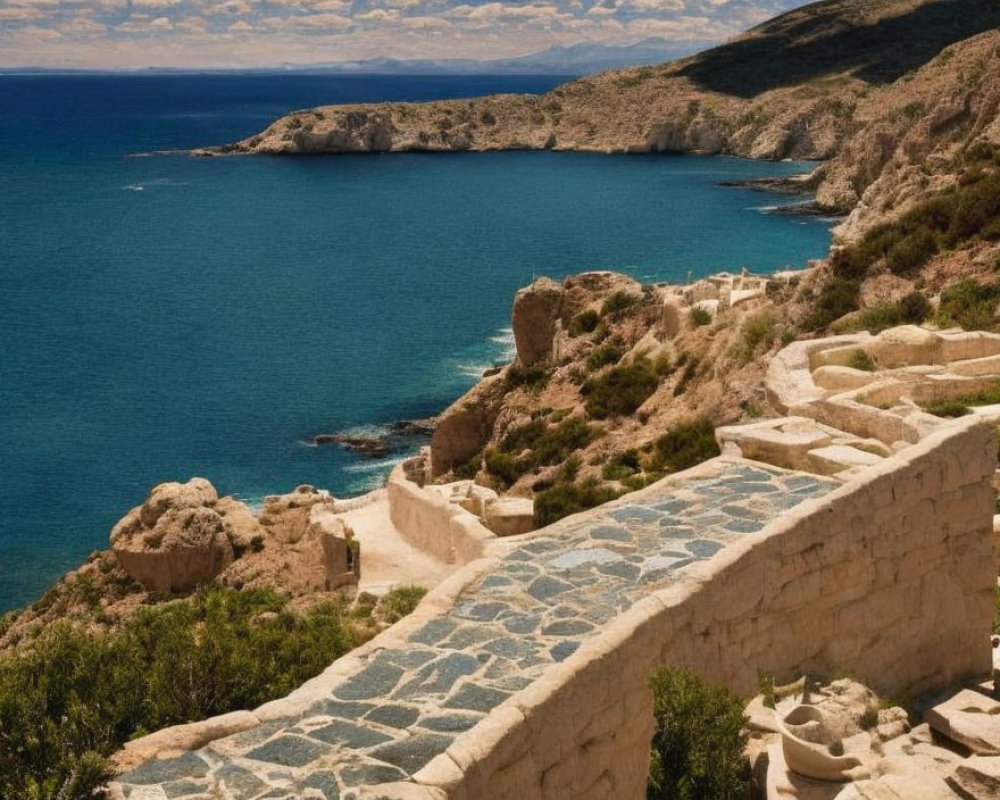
[466, 426]
[536, 311]
[176, 540]
[286, 516]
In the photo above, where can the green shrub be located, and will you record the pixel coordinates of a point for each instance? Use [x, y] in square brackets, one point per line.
[839, 296]
[700, 317]
[959, 406]
[75, 697]
[686, 445]
[468, 470]
[697, 749]
[534, 377]
[876, 319]
[912, 252]
[622, 466]
[620, 390]
[915, 308]
[547, 445]
[618, 303]
[400, 602]
[757, 330]
[584, 322]
[503, 466]
[567, 498]
[970, 304]
[610, 353]
[488, 118]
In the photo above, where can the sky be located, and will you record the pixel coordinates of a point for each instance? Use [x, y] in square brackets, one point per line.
[127, 34]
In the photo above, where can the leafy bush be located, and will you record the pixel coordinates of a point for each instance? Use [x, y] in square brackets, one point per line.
[839, 296]
[757, 330]
[533, 377]
[546, 444]
[912, 251]
[618, 303]
[697, 749]
[584, 322]
[400, 602]
[620, 390]
[700, 317]
[959, 406]
[686, 445]
[915, 308]
[610, 353]
[568, 498]
[970, 305]
[75, 698]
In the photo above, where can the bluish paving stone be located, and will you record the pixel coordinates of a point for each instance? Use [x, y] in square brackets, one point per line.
[744, 526]
[163, 770]
[495, 581]
[239, 781]
[439, 676]
[184, 788]
[450, 723]
[568, 627]
[565, 612]
[547, 587]
[564, 650]
[480, 612]
[289, 751]
[703, 548]
[522, 623]
[742, 512]
[408, 659]
[614, 533]
[375, 680]
[338, 708]
[470, 635]
[476, 698]
[434, 631]
[326, 782]
[635, 514]
[394, 716]
[415, 752]
[622, 570]
[510, 648]
[347, 734]
[370, 775]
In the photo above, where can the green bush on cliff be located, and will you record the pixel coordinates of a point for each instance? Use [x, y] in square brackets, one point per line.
[970, 304]
[697, 749]
[567, 498]
[74, 697]
[620, 390]
[686, 445]
[537, 444]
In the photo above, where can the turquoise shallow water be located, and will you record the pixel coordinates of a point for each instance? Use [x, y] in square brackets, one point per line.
[162, 317]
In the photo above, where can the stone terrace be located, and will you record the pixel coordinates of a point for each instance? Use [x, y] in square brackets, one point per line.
[547, 594]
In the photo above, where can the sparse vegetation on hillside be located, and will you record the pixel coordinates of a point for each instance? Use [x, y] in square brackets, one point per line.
[74, 697]
[620, 390]
[536, 444]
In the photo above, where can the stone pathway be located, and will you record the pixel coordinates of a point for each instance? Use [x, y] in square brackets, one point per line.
[546, 597]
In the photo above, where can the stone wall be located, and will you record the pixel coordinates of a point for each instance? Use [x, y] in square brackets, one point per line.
[891, 577]
[430, 523]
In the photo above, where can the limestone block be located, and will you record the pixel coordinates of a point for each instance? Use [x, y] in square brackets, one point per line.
[978, 777]
[970, 719]
[672, 318]
[510, 516]
[835, 458]
[536, 309]
[842, 379]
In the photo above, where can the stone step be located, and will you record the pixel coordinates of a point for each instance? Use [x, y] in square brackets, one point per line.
[836, 458]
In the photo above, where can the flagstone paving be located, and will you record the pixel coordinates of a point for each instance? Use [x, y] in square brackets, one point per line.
[546, 597]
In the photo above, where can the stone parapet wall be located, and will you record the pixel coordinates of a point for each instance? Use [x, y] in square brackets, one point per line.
[433, 525]
[891, 577]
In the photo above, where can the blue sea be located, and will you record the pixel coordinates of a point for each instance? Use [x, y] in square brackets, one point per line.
[163, 316]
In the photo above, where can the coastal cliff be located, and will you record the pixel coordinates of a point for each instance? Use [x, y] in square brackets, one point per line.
[846, 83]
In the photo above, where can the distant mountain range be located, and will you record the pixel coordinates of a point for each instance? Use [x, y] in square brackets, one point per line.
[576, 59]
[571, 60]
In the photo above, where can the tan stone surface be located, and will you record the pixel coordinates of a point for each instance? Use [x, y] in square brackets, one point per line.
[969, 718]
[978, 777]
[536, 311]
